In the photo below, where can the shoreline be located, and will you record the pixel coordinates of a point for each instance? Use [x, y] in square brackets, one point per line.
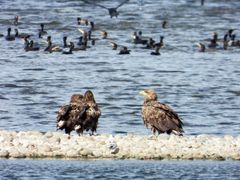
[57, 145]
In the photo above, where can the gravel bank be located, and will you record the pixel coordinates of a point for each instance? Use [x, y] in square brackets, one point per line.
[33, 144]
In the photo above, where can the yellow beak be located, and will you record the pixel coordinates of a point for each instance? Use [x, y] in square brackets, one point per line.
[142, 93]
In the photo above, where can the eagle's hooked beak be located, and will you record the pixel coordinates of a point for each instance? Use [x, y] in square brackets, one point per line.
[142, 93]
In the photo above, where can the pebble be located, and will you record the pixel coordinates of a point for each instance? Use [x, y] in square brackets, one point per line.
[33, 144]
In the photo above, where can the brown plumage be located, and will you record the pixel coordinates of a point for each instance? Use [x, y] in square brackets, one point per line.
[93, 112]
[69, 116]
[81, 114]
[159, 117]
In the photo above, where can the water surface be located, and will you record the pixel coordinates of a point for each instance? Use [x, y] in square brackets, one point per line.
[129, 169]
[202, 87]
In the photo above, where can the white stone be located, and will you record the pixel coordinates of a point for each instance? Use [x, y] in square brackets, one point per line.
[57, 144]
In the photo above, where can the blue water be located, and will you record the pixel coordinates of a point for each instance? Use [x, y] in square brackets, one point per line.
[202, 87]
[115, 169]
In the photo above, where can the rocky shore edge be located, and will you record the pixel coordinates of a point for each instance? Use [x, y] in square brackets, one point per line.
[34, 144]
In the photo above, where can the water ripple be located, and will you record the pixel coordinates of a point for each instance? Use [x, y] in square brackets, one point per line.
[202, 87]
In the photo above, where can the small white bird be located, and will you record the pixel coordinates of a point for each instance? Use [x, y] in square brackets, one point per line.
[112, 145]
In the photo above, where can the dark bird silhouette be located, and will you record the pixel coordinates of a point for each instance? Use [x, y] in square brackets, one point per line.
[81, 21]
[215, 36]
[164, 24]
[51, 48]
[82, 45]
[160, 44]
[213, 44]
[112, 11]
[159, 117]
[30, 46]
[10, 37]
[71, 48]
[230, 31]
[21, 35]
[80, 41]
[225, 42]
[81, 114]
[156, 52]
[65, 44]
[26, 41]
[150, 44]
[124, 50]
[137, 38]
[91, 38]
[42, 30]
[92, 25]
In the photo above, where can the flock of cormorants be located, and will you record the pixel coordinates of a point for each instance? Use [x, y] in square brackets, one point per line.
[82, 113]
[229, 38]
[83, 41]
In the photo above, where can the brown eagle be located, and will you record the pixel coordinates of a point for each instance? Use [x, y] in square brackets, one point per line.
[159, 117]
[92, 113]
[80, 114]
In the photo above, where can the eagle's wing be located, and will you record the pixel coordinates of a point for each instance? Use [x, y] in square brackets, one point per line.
[171, 113]
[63, 112]
[122, 3]
[99, 5]
[96, 4]
[81, 113]
[162, 117]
